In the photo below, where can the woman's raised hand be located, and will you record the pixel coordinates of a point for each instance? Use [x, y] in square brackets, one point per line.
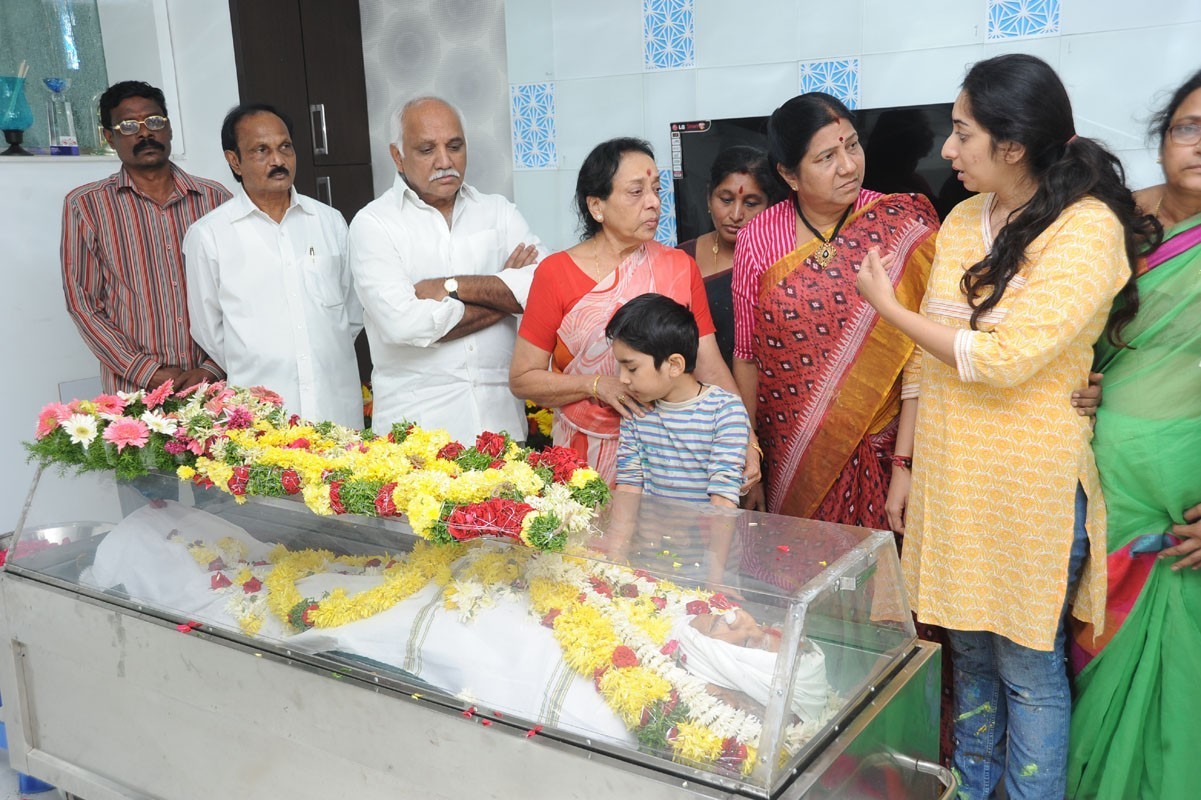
[873, 282]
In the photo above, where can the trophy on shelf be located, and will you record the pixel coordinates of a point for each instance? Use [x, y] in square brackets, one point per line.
[60, 120]
[15, 114]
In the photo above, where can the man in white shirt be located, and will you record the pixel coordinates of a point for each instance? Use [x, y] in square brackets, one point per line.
[442, 271]
[269, 292]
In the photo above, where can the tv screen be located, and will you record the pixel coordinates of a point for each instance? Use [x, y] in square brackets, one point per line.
[901, 147]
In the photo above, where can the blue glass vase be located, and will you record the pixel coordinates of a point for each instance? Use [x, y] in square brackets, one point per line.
[15, 114]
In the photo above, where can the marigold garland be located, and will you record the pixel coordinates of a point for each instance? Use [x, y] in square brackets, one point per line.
[242, 442]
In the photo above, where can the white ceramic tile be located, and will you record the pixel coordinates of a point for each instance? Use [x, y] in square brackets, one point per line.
[934, 76]
[1113, 96]
[726, 35]
[667, 97]
[569, 221]
[744, 91]
[592, 110]
[915, 77]
[1141, 169]
[529, 39]
[594, 39]
[1047, 48]
[830, 30]
[1091, 16]
[921, 24]
[537, 197]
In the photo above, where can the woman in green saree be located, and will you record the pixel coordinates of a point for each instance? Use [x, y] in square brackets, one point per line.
[1137, 714]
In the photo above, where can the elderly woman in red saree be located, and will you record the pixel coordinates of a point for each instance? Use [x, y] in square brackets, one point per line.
[820, 372]
[562, 359]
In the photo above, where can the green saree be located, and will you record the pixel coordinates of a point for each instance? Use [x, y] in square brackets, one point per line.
[1136, 718]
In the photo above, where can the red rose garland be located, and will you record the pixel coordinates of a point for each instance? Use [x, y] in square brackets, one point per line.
[498, 517]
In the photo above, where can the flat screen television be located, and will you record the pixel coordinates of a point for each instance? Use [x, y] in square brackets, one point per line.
[901, 145]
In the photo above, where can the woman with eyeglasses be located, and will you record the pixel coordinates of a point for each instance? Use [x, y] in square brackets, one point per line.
[1005, 503]
[1137, 714]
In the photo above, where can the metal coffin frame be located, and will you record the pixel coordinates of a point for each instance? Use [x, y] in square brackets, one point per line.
[111, 703]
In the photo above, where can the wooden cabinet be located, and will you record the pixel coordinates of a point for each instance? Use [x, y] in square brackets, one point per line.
[305, 57]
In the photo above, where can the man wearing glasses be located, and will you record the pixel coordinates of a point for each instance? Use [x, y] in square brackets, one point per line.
[122, 250]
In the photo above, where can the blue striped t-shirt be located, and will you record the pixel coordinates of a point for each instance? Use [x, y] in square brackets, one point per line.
[686, 450]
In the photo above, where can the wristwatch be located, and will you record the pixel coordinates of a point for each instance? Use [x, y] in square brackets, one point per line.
[452, 287]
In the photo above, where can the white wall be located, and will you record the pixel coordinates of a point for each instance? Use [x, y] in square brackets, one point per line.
[741, 59]
[41, 348]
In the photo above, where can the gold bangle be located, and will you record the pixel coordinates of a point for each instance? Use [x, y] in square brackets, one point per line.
[595, 383]
[758, 449]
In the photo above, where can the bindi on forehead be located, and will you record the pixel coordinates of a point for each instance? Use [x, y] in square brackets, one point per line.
[840, 138]
[648, 173]
[740, 190]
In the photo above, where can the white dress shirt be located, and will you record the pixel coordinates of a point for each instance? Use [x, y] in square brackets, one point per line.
[460, 385]
[273, 303]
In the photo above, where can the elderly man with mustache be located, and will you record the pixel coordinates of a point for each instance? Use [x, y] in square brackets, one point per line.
[122, 255]
[443, 271]
[269, 291]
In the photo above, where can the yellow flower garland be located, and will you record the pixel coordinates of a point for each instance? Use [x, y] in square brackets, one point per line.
[402, 579]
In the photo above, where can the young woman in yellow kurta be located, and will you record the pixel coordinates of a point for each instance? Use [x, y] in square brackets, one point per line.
[1005, 500]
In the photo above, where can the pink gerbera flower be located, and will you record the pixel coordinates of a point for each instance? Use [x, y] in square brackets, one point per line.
[240, 417]
[127, 432]
[109, 404]
[155, 399]
[266, 395]
[50, 417]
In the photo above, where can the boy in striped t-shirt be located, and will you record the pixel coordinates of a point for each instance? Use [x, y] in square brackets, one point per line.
[691, 443]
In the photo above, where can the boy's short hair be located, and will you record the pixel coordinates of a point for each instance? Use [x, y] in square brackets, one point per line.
[657, 326]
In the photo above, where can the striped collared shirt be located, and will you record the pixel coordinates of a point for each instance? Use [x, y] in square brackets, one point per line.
[123, 275]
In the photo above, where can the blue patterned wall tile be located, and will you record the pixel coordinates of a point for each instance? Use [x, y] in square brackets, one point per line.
[667, 34]
[666, 234]
[1013, 19]
[835, 76]
[532, 106]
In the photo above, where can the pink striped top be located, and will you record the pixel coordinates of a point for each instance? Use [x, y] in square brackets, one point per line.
[123, 275]
[765, 240]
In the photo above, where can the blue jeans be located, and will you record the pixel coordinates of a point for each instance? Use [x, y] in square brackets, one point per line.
[1013, 704]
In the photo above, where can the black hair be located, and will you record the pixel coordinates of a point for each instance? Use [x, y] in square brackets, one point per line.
[745, 160]
[1018, 98]
[596, 175]
[124, 90]
[657, 326]
[793, 125]
[229, 128]
[1162, 119]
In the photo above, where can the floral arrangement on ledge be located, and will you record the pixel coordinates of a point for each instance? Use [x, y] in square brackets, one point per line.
[244, 443]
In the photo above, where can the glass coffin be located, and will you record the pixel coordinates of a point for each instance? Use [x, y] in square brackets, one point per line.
[719, 647]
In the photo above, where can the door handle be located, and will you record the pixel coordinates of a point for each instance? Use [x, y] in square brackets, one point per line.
[324, 191]
[317, 117]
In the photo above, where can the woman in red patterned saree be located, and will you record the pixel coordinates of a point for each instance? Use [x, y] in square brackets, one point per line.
[819, 370]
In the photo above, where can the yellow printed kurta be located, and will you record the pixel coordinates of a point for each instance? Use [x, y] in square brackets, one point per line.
[999, 449]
